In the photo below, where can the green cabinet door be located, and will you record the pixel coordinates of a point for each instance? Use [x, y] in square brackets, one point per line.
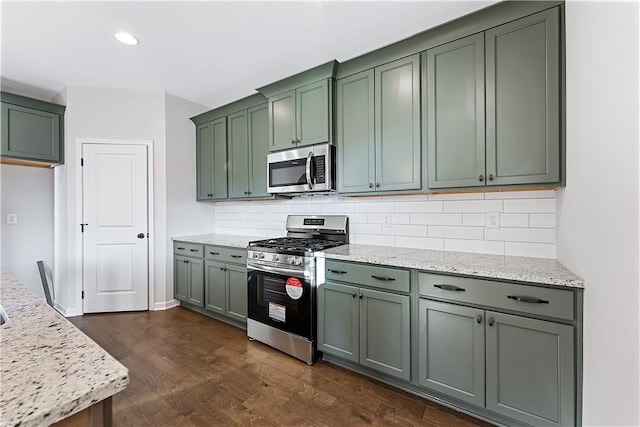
[455, 113]
[338, 320]
[196, 281]
[530, 371]
[181, 278]
[312, 113]
[215, 287]
[451, 352]
[236, 292]
[385, 339]
[523, 100]
[355, 138]
[397, 125]
[30, 134]
[238, 147]
[259, 142]
[211, 156]
[282, 121]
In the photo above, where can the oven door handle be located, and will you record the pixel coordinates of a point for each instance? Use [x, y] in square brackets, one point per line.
[308, 170]
[277, 270]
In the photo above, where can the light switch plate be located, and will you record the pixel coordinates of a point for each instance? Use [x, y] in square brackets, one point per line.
[386, 220]
[12, 218]
[492, 220]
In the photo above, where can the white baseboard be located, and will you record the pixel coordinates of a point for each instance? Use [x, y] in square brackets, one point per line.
[67, 313]
[166, 305]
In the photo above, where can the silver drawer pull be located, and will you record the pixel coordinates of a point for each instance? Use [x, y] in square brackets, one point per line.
[336, 271]
[530, 300]
[450, 288]
[180, 249]
[236, 256]
[193, 250]
[214, 253]
[386, 279]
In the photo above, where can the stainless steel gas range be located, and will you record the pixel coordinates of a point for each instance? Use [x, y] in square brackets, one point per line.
[282, 281]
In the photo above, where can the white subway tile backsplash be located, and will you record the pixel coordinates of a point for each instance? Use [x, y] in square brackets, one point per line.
[537, 194]
[420, 243]
[453, 232]
[474, 246]
[530, 205]
[473, 220]
[457, 196]
[454, 222]
[542, 220]
[473, 206]
[413, 207]
[535, 250]
[514, 220]
[436, 219]
[374, 207]
[405, 230]
[532, 235]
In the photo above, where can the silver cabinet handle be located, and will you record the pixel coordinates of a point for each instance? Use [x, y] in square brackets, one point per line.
[214, 253]
[336, 271]
[385, 279]
[236, 256]
[530, 300]
[449, 288]
[479, 318]
[491, 321]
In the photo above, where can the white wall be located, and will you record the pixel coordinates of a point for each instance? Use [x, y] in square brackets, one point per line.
[102, 113]
[184, 215]
[27, 192]
[454, 222]
[598, 211]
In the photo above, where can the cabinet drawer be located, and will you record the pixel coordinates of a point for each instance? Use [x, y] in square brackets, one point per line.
[362, 274]
[224, 254]
[188, 249]
[509, 296]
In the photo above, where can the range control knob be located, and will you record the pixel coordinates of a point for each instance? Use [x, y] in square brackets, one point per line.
[261, 255]
[255, 255]
[276, 257]
[290, 260]
[297, 260]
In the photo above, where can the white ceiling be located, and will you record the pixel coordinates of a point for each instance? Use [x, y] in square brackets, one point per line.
[210, 52]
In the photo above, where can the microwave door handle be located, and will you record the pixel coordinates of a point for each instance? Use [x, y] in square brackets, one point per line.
[308, 169]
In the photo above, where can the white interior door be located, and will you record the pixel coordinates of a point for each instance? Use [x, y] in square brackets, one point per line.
[115, 237]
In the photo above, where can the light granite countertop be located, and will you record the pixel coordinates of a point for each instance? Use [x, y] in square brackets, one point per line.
[521, 269]
[229, 240]
[50, 370]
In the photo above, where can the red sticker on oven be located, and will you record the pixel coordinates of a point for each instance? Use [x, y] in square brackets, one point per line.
[294, 288]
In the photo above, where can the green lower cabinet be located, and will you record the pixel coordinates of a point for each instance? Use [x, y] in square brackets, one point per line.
[369, 327]
[451, 349]
[530, 370]
[226, 290]
[189, 280]
[338, 320]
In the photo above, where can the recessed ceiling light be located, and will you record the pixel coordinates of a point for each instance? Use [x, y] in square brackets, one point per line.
[127, 39]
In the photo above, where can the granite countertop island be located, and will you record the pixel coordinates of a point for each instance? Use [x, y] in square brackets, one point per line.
[50, 370]
[513, 268]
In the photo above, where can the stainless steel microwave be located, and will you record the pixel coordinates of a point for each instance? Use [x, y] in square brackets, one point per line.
[302, 170]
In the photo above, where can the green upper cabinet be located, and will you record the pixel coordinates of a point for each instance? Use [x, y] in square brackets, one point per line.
[211, 156]
[378, 128]
[455, 113]
[32, 130]
[301, 108]
[355, 134]
[523, 100]
[248, 148]
[493, 106]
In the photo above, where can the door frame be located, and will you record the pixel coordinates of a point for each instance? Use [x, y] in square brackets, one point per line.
[150, 199]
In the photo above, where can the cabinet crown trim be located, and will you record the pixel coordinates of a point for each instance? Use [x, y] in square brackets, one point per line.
[324, 71]
[228, 109]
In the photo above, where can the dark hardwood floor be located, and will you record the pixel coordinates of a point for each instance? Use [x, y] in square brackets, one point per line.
[187, 369]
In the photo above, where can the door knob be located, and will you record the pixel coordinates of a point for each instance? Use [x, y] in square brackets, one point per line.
[140, 235]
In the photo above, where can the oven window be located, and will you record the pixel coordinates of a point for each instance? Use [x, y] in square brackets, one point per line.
[270, 303]
[290, 172]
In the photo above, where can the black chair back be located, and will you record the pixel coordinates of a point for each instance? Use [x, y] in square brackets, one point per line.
[46, 283]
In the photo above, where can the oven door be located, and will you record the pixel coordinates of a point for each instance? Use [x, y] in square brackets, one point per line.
[281, 299]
